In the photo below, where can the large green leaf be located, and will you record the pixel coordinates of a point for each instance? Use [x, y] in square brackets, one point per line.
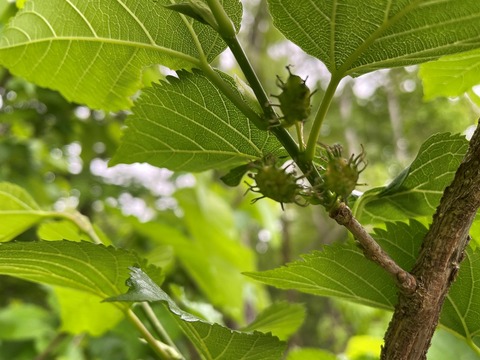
[451, 75]
[213, 341]
[188, 124]
[337, 271]
[417, 191]
[87, 267]
[94, 51]
[342, 271]
[353, 37]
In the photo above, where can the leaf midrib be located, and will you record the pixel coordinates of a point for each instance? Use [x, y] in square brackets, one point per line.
[144, 46]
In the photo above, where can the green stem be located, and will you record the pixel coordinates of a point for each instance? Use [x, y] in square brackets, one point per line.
[163, 351]
[157, 326]
[281, 133]
[225, 24]
[319, 117]
[304, 163]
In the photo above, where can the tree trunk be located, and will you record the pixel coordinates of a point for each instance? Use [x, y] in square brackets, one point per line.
[416, 315]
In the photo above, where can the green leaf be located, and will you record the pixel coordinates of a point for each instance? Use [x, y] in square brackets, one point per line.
[392, 33]
[342, 271]
[25, 321]
[310, 354]
[93, 52]
[447, 346]
[82, 312]
[281, 319]
[201, 309]
[460, 312]
[188, 124]
[417, 191]
[18, 211]
[363, 347]
[214, 342]
[451, 75]
[87, 267]
[235, 175]
[61, 230]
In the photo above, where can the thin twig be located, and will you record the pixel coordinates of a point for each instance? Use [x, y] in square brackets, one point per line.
[405, 281]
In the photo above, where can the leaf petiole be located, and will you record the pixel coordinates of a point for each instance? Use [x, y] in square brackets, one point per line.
[320, 116]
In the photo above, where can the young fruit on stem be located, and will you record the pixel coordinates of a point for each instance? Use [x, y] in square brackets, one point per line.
[277, 183]
[341, 175]
[294, 103]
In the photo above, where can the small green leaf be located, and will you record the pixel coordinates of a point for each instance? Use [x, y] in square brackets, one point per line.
[451, 75]
[235, 175]
[187, 124]
[61, 230]
[281, 319]
[87, 267]
[93, 52]
[392, 33]
[18, 211]
[417, 191]
[214, 342]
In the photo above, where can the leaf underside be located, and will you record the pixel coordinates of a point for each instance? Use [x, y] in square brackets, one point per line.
[353, 37]
[187, 124]
[451, 75]
[416, 192]
[93, 52]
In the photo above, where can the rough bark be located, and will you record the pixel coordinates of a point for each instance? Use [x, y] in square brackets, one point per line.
[416, 314]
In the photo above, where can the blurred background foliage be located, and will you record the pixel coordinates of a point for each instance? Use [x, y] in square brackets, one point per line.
[200, 232]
